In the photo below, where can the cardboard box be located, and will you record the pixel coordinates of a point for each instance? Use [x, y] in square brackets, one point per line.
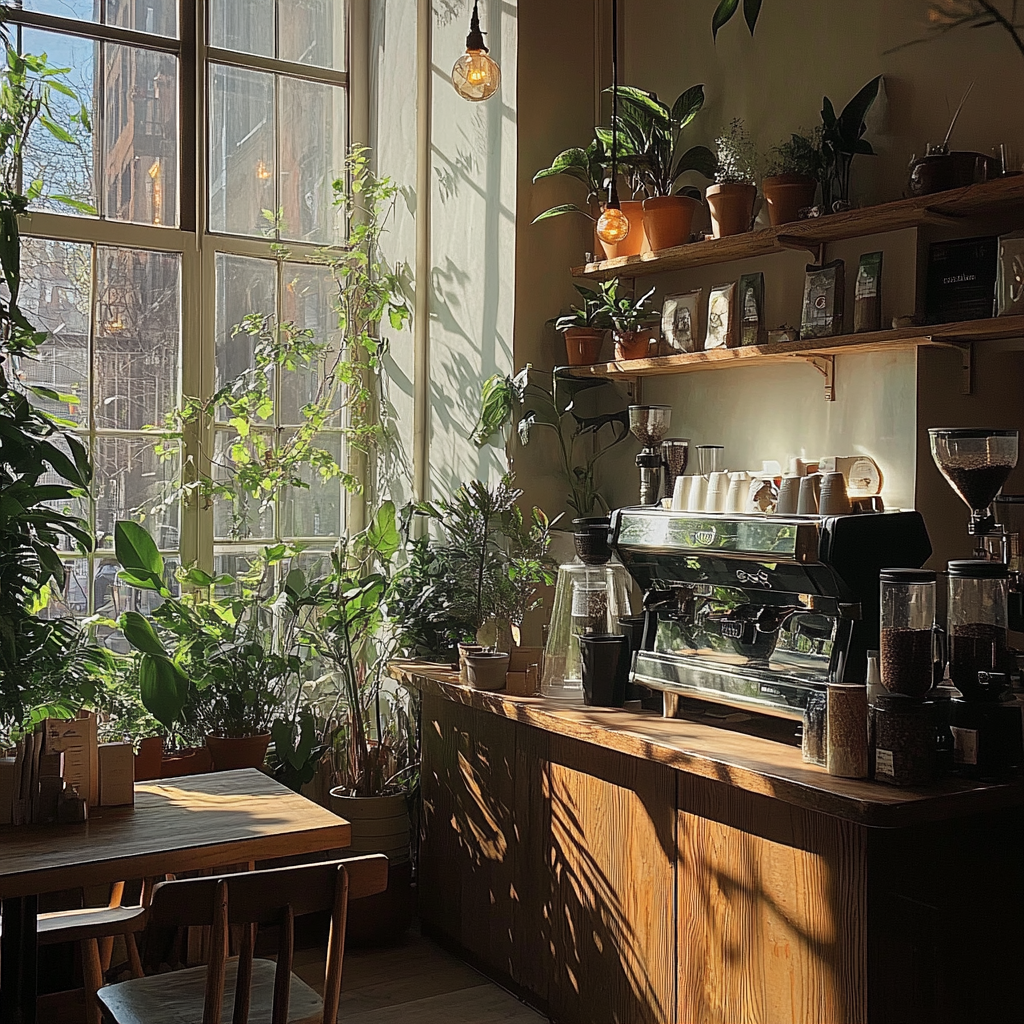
[76, 738]
[117, 774]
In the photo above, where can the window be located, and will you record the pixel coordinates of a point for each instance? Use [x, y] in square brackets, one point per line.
[141, 293]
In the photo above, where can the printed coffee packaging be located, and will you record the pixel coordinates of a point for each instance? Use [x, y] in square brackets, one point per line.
[867, 295]
[824, 289]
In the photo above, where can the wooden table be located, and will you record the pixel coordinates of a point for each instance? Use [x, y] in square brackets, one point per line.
[176, 825]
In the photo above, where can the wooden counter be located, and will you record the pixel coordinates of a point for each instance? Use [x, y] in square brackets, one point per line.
[613, 866]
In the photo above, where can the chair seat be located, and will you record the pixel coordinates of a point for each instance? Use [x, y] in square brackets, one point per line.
[177, 997]
[90, 923]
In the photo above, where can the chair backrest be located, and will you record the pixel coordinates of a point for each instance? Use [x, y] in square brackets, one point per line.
[273, 897]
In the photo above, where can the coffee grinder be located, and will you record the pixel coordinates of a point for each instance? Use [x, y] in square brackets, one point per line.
[649, 424]
[986, 719]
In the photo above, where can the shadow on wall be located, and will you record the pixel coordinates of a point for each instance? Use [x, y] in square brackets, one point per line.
[473, 248]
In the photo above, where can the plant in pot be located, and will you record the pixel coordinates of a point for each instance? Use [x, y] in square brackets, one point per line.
[791, 177]
[584, 328]
[45, 473]
[498, 560]
[842, 138]
[372, 755]
[651, 133]
[210, 666]
[634, 322]
[124, 718]
[588, 417]
[732, 197]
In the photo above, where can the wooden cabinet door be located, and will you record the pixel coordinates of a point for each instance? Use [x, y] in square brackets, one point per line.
[772, 911]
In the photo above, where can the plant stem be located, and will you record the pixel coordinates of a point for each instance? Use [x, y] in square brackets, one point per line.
[1001, 19]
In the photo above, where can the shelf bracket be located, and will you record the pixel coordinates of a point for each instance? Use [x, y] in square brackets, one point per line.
[826, 366]
[966, 350]
[796, 242]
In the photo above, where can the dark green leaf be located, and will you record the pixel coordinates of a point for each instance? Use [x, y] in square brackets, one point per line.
[723, 12]
[163, 687]
[136, 550]
[140, 634]
[699, 159]
[751, 9]
[557, 211]
[687, 106]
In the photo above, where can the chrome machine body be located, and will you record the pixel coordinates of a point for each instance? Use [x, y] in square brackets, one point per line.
[758, 611]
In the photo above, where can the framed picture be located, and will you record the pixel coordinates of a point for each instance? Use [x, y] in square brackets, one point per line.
[680, 322]
[721, 317]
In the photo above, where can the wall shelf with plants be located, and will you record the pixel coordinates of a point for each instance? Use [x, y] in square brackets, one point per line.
[821, 351]
[947, 209]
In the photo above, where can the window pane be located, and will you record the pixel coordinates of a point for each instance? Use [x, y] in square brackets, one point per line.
[312, 32]
[138, 324]
[308, 298]
[64, 168]
[55, 295]
[76, 506]
[316, 511]
[312, 156]
[246, 26]
[239, 518]
[112, 597]
[73, 600]
[244, 286]
[242, 163]
[140, 135]
[157, 16]
[132, 481]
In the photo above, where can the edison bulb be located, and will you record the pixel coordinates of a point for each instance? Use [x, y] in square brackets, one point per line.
[612, 225]
[475, 76]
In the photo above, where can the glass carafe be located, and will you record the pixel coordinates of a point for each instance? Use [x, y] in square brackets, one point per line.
[907, 640]
[589, 599]
[979, 660]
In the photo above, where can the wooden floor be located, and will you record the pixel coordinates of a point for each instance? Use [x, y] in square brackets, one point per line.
[415, 981]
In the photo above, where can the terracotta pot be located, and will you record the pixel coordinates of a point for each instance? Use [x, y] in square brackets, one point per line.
[486, 670]
[786, 195]
[636, 241]
[633, 344]
[583, 345]
[147, 760]
[732, 207]
[668, 220]
[186, 762]
[233, 752]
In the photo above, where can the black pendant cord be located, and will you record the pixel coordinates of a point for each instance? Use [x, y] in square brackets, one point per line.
[613, 189]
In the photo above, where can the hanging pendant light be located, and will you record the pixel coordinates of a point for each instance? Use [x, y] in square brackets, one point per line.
[475, 76]
[613, 224]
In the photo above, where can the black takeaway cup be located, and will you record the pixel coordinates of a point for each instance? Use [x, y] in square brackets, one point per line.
[605, 658]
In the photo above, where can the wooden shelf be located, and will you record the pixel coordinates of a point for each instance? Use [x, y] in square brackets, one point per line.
[820, 352]
[942, 208]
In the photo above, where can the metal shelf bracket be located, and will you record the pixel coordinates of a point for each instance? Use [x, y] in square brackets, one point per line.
[826, 366]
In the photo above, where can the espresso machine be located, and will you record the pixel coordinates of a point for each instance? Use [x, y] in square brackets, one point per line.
[759, 613]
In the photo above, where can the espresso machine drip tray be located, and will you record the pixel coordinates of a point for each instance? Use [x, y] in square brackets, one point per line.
[768, 692]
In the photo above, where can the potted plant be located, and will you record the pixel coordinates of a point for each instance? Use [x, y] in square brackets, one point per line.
[651, 132]
[791, 178]
[842, 138]
[226, 672]
[731, 199]
[633, 321]
[372, 756]
[588, 416]
[584, 328]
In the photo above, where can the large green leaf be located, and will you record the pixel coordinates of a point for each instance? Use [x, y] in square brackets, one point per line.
[557, 211]
[138, 555]
[495, 409]
[163, 688]
[639, 100]
[573, 162]
[851, 120]
[382, 536]
[723, 12]
[696, 158]
[687, 106]
[751, 9]
[140, 634]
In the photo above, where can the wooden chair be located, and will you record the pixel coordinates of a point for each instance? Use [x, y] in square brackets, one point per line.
[264, 992]
[95, 929]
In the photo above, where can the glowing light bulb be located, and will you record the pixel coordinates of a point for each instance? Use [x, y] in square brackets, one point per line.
[612, 226]
[475, 76]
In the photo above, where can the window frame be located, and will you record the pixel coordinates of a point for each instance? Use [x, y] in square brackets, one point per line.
[192, 238]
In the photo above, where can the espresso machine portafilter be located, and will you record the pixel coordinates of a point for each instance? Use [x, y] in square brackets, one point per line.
[649, 424]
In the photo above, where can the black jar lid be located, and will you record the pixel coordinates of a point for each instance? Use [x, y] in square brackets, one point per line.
[977, 569]
[903, 704]
[591, 522]
[907, 576]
